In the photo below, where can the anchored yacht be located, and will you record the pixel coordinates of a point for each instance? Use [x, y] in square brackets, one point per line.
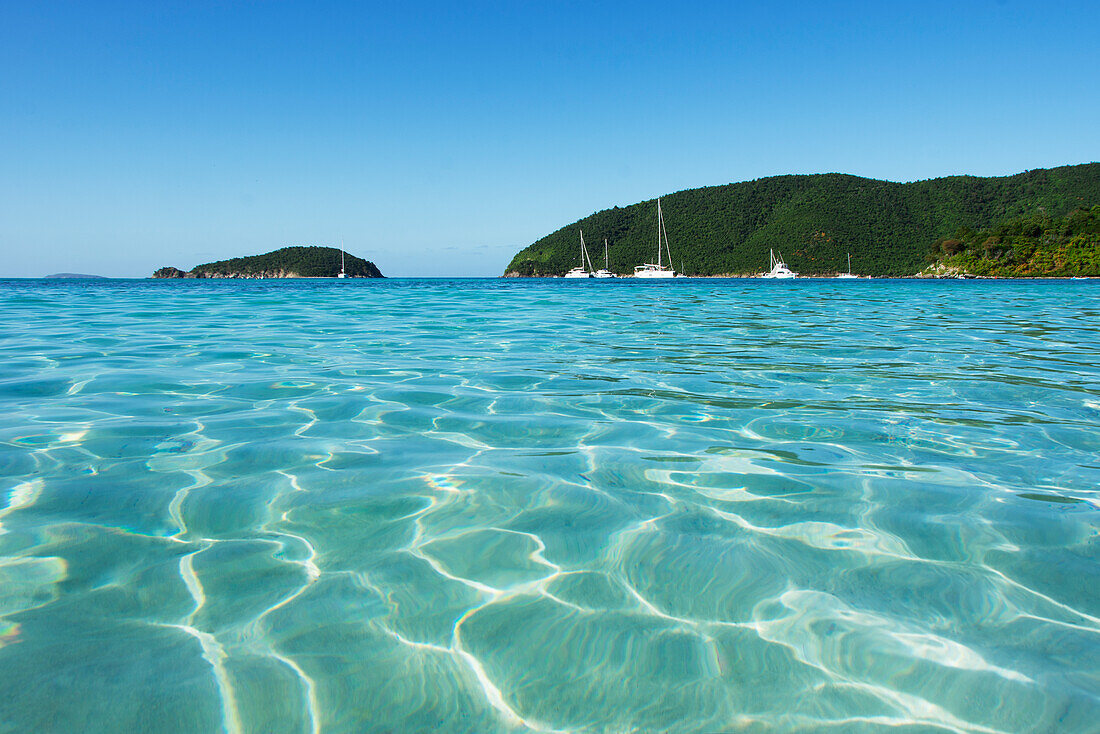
[779, 268]
[660, 270]
[605, 271]
[848, 275]
[580, 271]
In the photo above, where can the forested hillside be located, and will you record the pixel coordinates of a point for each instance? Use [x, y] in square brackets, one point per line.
[815, 220]
[1025, 247]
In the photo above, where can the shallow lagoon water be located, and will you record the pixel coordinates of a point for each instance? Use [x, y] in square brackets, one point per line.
[488, 505]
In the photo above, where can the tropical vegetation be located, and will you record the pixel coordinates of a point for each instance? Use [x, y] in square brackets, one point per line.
[1025, 247]
[288, 262]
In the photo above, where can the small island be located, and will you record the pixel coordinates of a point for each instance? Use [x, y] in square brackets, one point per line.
[289, 262]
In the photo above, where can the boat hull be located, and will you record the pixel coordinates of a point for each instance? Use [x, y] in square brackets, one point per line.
[654, 273]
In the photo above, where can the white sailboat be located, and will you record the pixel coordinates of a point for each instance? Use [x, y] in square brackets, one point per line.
[605, 271]
[848, 275]
[342, 274]
[779, 268]
[580, 271]
[660, 270]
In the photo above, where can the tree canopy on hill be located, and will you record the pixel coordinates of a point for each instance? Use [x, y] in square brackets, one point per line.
[813, 220]
[1026, 247]
[302, 262]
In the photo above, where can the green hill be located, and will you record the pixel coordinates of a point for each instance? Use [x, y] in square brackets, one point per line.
[1026, 247]
[288, 262]
[889, 228]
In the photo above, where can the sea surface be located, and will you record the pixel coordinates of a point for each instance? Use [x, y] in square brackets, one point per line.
[577, 506]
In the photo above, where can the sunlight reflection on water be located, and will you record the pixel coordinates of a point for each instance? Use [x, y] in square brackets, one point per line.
[506, 505]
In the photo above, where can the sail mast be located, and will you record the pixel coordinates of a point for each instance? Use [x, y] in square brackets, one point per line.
[668, 250]
[660, 226]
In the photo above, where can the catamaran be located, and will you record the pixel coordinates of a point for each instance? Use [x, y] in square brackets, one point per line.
[779, 268]
[605, 271]
[660, 270]
[579, 271]
[849, 273]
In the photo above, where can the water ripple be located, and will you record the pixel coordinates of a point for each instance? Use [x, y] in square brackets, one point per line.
[475, 506]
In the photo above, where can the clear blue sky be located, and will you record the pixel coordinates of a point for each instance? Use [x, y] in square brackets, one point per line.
[439, 138]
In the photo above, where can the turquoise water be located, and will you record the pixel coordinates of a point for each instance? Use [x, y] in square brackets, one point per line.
[478, 506]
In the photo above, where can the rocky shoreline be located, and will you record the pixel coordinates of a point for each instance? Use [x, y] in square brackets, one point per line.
[169, 273]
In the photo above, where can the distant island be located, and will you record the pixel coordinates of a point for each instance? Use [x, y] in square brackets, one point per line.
[74, 276]
[935, 228]
[288, 262]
